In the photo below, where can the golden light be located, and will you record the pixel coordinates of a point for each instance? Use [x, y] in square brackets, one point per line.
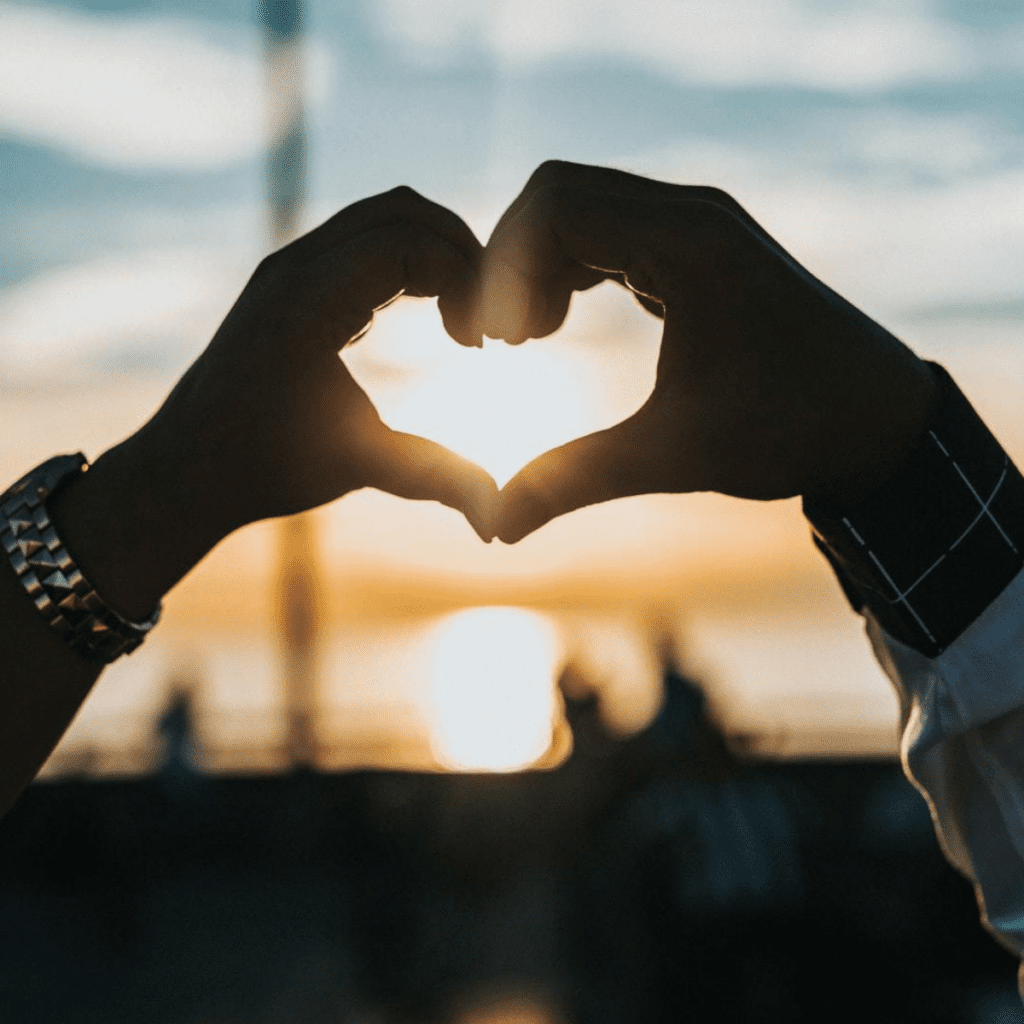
[517, 1010]
[617, 654]
[492, 693]
[501, 406]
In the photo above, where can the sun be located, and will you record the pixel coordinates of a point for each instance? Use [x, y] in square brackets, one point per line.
[492, 702]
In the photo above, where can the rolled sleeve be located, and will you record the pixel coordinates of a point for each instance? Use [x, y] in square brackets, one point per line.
[934, 560]
[963, 748]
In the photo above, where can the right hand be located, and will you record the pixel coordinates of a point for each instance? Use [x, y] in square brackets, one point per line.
[268, 421]
[768, 385]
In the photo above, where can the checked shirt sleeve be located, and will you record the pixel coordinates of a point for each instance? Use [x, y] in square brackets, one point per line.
[933, 560]
[932, 548]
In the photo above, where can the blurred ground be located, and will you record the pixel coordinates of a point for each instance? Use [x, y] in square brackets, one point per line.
[658, 879]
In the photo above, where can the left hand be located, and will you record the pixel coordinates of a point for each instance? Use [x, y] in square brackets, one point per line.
[769, 384]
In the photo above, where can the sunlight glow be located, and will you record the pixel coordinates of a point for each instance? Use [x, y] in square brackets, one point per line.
[516, 1010]
[492, 689]
[502, 406]
[498, 406]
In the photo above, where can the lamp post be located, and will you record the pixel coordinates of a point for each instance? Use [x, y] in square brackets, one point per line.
[299, 574]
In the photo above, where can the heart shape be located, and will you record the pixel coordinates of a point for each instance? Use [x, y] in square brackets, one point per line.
[501, 406]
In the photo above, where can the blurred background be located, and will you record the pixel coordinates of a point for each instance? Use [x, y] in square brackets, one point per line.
[375, 657]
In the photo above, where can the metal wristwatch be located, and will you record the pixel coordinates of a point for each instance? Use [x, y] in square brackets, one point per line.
[52, 580]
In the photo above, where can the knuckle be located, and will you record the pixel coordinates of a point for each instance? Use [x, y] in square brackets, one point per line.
[711, 221]
[271, 264]
[396, 203]
[404, 194]
[552, 172]
[714, 194]
[272, 270]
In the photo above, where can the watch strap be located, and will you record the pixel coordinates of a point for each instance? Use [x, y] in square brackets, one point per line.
[66, 600]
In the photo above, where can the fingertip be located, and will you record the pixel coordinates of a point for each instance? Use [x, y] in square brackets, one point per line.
[521, 511]
[504, 303]
[459, 306]
[510, 537]
[481, 507]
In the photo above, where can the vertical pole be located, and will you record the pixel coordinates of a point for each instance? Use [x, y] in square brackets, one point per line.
[299, 574]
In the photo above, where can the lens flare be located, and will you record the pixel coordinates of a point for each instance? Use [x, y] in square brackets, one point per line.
[492, 689]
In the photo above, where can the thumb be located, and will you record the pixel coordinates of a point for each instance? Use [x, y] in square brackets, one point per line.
[592, 469]
[412, 467]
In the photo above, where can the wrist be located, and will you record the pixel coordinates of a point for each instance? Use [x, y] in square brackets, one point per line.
[930, 549]
[873, 443]
[134, 525]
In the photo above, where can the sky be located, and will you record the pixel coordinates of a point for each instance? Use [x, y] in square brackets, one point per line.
[881, 142]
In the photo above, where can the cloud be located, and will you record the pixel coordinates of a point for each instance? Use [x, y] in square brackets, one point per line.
[927, 145]
[134, 93]
[157, 309]
[888, 242]
[848, 47]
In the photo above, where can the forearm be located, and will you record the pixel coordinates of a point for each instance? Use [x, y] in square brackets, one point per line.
[42, 685]
[131, 541]
[933, 559]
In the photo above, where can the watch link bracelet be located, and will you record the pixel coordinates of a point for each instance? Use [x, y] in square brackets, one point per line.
[55, 585]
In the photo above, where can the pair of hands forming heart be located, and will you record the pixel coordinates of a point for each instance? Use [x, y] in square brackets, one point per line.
[768, 383]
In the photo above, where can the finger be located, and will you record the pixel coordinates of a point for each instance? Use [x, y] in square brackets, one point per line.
[413, 467]
[345, 286]
[398, 206]
[515, 306]
[651, 305]
[612, 181]
[543, 307]
[592, 469]
[529, 264]
[605, 180]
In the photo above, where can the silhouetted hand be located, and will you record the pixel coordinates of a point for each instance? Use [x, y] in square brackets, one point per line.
[768, 385]
[273, 410]
[268, 421]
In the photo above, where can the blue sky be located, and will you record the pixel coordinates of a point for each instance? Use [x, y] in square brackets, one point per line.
[883, 142]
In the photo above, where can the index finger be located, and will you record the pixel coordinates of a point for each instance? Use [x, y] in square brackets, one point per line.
[346, 284]
[612, 181]
[399, 206]
[529, 275]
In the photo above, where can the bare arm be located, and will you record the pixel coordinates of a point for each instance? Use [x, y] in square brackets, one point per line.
[267, 422]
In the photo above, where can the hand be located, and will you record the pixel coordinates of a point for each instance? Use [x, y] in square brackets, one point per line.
[275, 415]
[268, 421]
[768, 385]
